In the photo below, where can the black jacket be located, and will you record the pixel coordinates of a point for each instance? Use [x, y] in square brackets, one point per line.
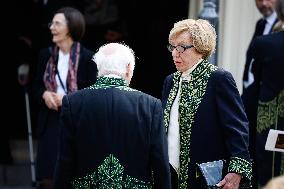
[113, 137]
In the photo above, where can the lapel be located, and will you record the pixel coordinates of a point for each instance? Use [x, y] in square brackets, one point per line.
[191, 97]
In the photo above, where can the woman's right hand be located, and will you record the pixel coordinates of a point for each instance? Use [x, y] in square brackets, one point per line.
[50, 100]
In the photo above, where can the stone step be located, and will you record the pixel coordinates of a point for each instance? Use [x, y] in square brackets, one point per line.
[20, 150]
[18, 174]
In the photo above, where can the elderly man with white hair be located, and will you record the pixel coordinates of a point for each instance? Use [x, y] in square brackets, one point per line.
[113, 136]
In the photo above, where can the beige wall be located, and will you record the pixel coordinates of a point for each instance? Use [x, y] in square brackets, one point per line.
[237, 20]
[194, 7]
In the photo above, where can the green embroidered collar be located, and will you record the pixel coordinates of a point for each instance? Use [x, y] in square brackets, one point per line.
[200, 70]
[108, 82]
[111, 81]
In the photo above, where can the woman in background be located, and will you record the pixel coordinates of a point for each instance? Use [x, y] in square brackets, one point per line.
[62, 69]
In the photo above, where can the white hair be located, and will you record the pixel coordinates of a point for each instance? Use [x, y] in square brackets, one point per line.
[114, 58]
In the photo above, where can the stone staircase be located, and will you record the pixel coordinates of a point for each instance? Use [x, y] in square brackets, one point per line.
[18, 175]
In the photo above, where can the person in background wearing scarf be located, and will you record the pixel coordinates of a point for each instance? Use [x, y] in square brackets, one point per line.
[62, 69]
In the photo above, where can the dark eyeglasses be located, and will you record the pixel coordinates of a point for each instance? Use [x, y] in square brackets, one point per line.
[179, 48]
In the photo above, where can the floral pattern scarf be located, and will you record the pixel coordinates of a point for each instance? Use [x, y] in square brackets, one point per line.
[51, 69]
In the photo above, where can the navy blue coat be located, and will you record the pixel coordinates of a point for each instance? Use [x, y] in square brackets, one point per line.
[248, 95]
[113, 137]
[219, 127]
[269, 97]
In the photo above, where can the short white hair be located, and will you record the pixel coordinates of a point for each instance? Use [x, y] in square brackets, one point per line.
[113, 58]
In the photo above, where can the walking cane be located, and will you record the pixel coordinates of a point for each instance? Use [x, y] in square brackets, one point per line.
[23, 78]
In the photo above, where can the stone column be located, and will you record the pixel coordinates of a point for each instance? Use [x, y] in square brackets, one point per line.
[209, 13]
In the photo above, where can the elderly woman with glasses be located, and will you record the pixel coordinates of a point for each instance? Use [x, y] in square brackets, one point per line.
[63, 68]
[203, 111]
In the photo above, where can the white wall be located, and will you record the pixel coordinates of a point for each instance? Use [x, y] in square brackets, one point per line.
[194, 8]
[237, 23]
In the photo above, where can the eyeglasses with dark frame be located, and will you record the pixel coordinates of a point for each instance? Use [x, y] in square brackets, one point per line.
[179, 48]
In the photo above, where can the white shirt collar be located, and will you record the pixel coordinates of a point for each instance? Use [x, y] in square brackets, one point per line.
[186, 75]
[271, 19]
[269, 23]
[112, 75]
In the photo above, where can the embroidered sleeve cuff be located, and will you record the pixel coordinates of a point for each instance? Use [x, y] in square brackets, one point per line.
[241, 166]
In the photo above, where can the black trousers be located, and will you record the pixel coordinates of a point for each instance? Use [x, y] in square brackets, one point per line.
[174, 178]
